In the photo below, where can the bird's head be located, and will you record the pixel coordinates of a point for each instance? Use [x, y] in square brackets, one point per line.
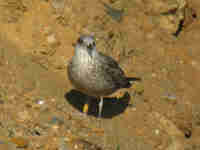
[86, 42]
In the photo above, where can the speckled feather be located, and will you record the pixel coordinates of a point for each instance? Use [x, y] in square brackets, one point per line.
[93, 72]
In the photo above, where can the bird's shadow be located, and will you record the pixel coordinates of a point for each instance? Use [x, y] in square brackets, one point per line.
[111, 106]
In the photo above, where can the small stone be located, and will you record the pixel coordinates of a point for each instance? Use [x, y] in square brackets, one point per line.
[157, 131]
[169, 97]
[58, 4]
[47, 30]
[195, 64]
[62, 145]
[51, 39]
[20, 142]
[181, 62]
[75, 146]
[83, 145]
[150, 35]
[40, 102]
[153, 75]
[56, 121]
[23, 116]
[98, 130]
[139, 88]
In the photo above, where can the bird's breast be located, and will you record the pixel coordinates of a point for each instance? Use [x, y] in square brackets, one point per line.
[83, 66]
[86, 75]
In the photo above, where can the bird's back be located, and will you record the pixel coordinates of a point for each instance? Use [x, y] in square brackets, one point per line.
[112, 72]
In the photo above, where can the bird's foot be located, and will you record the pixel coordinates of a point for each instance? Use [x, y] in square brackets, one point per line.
[85, 108]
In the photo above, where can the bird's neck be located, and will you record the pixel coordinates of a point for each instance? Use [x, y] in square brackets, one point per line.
[83, 57]
[80, 52]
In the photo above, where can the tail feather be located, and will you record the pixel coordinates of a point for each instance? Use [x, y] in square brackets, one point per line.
[130, 81]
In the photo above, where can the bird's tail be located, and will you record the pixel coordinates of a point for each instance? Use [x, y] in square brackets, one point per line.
[131, 80]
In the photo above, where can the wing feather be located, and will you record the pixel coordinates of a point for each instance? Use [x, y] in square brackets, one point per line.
[114, 72]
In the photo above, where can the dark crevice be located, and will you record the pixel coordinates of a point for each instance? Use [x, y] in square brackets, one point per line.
[181, 25]
[36, 133]
[188, 133]
[194, 15]
[180, 28]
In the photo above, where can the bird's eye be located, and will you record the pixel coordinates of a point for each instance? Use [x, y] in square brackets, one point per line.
[80, 41]
[93, 43]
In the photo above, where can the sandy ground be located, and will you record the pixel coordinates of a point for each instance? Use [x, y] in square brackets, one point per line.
[155, 40]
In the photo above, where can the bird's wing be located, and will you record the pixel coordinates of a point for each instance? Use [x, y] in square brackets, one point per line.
[113, 71]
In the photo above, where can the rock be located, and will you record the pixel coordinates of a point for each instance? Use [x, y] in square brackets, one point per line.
[58, 5]
[20, 142]
[168, 15]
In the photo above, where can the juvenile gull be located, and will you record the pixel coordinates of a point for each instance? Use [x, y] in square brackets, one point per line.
[94, 73]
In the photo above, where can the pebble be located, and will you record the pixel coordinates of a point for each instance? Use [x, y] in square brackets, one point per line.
[195, 64]
[154, 75]
[76, 146]
[40, 102]
[20, 142]
[157, 131]
[58, 5]
[56, 121]
[23, 116]
[139, 88]
[114, 13]
[51, 39]
[63, 145]
[170, 97]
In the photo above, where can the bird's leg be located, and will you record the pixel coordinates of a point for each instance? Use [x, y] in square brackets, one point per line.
[86, 107]
[100, 106]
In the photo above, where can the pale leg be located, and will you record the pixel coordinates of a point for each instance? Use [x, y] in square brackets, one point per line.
[100, 106]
